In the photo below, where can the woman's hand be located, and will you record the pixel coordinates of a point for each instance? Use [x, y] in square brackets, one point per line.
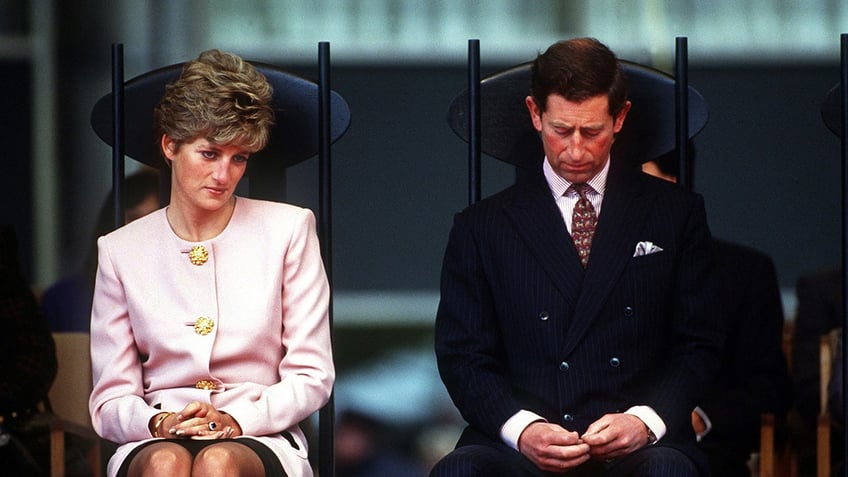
[201, 421]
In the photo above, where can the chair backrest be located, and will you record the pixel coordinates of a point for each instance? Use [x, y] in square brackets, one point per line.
[508, 134]
[72, 386]
[295, 137]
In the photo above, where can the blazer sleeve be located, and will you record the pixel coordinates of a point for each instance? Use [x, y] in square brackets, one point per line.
[306, 370]
[468, 343]
[693, 347]
[118, 411]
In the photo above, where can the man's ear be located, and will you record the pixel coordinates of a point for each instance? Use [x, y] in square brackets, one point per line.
[535, 112]
[619, 120]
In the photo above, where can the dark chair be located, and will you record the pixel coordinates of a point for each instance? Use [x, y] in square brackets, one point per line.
[508, 135]
[310, 117]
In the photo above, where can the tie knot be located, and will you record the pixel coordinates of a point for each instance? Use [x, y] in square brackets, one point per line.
[581, 189]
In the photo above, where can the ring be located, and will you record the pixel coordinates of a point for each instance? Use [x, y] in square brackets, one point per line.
[212, 426]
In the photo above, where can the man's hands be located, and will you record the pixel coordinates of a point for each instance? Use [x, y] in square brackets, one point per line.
[554, 449]
[615, 435]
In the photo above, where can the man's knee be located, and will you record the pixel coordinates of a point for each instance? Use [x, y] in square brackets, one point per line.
[657, 461]
[474, 461]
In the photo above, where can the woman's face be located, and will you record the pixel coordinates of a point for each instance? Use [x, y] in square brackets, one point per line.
[204, 174]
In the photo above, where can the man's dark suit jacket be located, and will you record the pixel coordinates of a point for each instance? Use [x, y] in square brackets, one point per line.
[753, 377]
[520, 325]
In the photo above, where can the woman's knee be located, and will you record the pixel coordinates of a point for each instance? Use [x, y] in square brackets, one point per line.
[161, 459]
[227, 459]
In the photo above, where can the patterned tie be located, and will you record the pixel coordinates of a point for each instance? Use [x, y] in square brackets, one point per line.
[583, 222]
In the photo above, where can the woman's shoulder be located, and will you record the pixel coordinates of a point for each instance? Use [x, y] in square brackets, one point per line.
[254, 216]
[147, 225]
[265, 209]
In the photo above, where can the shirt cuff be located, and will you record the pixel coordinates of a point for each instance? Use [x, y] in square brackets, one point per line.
[515, 425]
[708, 424]
[650, 418]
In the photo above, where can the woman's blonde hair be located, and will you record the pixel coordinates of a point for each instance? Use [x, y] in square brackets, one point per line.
[221, 98]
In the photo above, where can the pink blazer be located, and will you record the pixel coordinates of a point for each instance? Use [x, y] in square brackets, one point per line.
[267, 358]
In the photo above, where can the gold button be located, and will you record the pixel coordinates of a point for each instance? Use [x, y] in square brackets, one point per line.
[198, 255]
[205, 384]
[203, 326]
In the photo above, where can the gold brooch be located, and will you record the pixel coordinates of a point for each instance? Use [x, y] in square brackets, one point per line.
[206, 384]
[198, 255]
[203, 326]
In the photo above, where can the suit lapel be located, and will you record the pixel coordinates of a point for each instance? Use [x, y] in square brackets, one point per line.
[538, 221]
[624, 209]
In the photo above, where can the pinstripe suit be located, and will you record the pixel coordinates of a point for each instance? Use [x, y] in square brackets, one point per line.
[521, 325]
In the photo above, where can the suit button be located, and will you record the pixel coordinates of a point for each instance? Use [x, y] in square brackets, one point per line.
[563, 366]
[628, 311]
[614, 362]
[544, 316]
[567, 417]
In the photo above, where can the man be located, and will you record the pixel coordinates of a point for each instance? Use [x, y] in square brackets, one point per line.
[753, 377]
[560, 367]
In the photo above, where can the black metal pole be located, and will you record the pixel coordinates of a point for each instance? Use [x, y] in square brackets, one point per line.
[326, 416]
[844, 155]
[681, 112]
[118, 132]
[474, 130]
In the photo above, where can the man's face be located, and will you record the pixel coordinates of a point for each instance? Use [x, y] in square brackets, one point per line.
[577, 137]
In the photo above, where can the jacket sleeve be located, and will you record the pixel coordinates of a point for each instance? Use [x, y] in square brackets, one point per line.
[467, 341]
[306, 370]
[118, 411]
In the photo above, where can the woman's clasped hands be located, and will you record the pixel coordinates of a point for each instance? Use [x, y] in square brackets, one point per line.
[195, 421]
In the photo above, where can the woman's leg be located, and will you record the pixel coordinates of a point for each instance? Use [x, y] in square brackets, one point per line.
[162, 459]
[227, 459]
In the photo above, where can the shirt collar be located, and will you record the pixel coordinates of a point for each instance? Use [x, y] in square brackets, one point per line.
[559, 185]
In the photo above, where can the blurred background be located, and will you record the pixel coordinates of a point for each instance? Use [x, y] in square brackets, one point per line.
[400, 173]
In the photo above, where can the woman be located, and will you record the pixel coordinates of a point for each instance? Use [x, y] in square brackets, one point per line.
[209, 332]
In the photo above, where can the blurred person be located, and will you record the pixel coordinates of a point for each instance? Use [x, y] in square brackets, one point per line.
[564, 361]
[820, 310]
[753, 378]
[67, 303]
[209, 329]
[27, 369]
[362, 449]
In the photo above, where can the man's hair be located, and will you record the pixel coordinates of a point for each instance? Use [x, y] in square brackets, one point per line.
[578, 69]
[219, 97]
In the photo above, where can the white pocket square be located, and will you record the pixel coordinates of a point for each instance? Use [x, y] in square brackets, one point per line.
[646, 248]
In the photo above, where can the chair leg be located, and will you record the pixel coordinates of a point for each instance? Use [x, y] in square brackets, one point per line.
[94, 457]
[57, 449]
[823, 446]
[767, 452]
